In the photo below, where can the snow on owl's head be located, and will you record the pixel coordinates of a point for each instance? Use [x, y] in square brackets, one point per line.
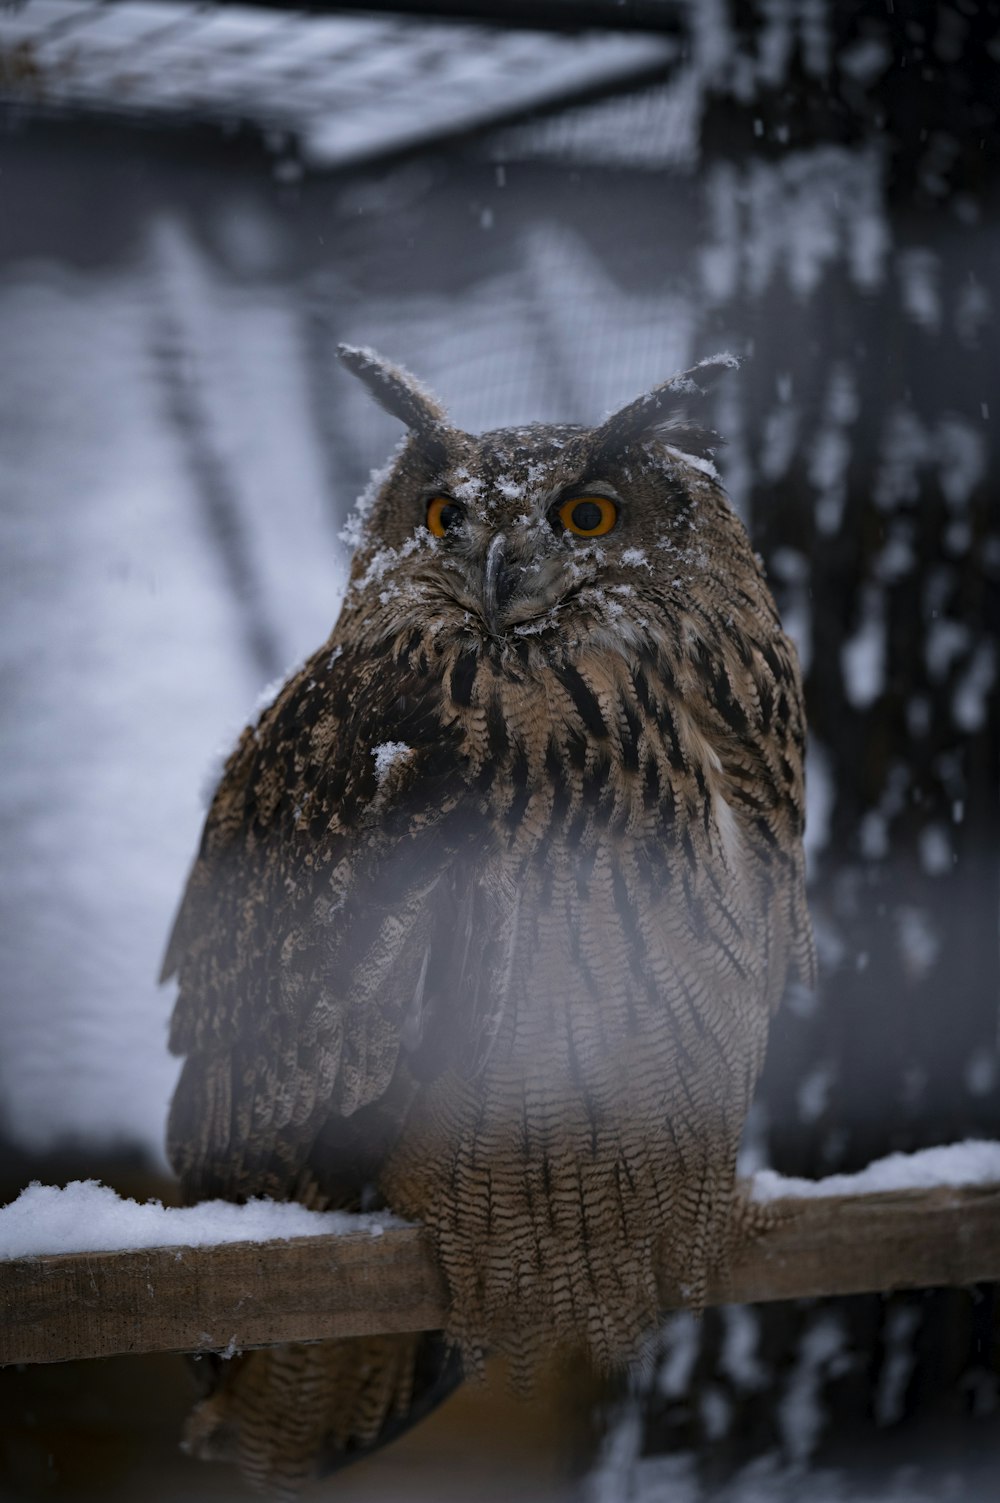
[549, 531]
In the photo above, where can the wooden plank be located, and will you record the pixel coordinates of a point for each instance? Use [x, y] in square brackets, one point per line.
[238, 1295]
[859, 1244]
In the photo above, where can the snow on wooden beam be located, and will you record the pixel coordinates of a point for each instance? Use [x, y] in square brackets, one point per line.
[236, 1294]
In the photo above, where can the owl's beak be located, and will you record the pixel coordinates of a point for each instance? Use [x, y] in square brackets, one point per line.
[500, 580]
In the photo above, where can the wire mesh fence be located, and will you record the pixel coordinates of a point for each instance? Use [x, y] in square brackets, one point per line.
[343, 88]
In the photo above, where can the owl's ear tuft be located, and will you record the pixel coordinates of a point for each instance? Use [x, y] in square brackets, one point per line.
[669, 412]
[393, 388]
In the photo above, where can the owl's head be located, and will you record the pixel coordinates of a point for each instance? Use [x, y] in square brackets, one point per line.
[546, 530]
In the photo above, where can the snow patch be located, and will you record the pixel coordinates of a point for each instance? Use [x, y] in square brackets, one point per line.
[716, 1412]
[354, 529]
[962, 456]
[87, 1216]
[865, 60]
[946, 642]
[384, 559]
[780, 435]
[510, 490]
[813, 1094]
[919, 943]
[681, 1343]
[386, 756]
[738, 1358]
[873, 836]
[973, 311]
[970, 701]
[800, 1413]
[905, 449]
[212, 776]
[920, 276]
[974, 1162]
[936, 855]
[795, 217]
[980, 1072]
[862, 657]
[820, 799]
[696, 461]
[897, 1367]
[830, 453]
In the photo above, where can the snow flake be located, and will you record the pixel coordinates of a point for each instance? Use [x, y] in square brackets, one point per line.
[386, 756]
[510, 490]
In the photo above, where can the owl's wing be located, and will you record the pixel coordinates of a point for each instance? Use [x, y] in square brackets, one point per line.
[326, 878]
[752, 711]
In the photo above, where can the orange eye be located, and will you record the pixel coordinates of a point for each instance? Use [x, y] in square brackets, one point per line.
[588, 516]
[444, 515]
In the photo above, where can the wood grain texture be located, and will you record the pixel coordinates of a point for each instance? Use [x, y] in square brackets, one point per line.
[242, 1295]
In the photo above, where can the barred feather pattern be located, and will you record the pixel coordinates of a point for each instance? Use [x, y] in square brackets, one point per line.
[491, 911]
[279, 1409]
[590, 1138]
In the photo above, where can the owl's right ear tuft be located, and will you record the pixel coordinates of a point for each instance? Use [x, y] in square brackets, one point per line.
[393, 388]
[669, 412]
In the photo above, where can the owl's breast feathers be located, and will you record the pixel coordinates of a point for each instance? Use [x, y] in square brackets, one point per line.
[501, 937]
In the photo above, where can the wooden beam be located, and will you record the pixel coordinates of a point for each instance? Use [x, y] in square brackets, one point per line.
[239, 1294]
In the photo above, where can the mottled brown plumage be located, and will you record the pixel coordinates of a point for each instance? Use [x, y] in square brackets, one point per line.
[493, 905]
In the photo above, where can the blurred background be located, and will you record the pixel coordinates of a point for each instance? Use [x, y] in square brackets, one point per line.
[542, 207]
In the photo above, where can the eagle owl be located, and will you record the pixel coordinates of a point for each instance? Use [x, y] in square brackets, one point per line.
[492, 906]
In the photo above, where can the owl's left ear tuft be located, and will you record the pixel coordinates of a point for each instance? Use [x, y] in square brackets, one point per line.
[668, 412]
[393, 388]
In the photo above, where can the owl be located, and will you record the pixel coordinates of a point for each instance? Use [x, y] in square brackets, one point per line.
[492, 907]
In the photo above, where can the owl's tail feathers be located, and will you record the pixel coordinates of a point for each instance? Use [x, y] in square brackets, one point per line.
[289, 1414]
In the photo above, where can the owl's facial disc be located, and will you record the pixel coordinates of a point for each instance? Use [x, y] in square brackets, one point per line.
[512, 565]
[499, 575]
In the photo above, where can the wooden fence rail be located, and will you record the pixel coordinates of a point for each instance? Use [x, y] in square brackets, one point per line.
[239, 1294]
